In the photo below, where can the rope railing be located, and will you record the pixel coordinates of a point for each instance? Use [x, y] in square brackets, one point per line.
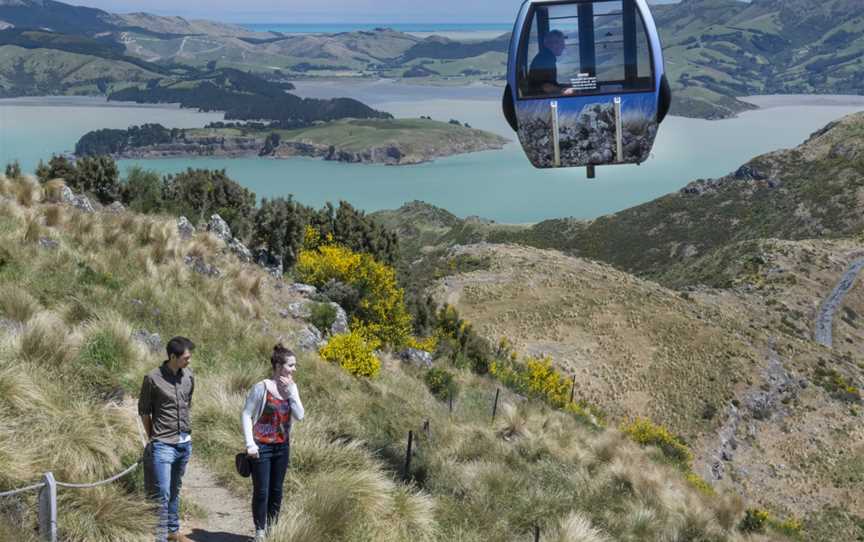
[48, 493]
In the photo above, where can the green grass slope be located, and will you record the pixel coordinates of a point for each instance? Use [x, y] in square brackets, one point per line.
[66, 348]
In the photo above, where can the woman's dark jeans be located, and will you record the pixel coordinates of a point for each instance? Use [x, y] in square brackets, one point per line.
[268, 476]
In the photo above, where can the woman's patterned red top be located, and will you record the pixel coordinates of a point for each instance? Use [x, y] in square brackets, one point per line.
[273, 425]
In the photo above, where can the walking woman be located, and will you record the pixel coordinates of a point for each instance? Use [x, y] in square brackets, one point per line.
[270, 408]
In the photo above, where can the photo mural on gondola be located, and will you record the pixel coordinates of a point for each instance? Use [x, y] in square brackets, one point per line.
[586, 84]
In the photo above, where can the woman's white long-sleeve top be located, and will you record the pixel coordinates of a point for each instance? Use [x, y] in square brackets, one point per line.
[254, 407]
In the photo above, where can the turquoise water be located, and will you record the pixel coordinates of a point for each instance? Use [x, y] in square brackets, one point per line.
[500, 185]
[333, 28]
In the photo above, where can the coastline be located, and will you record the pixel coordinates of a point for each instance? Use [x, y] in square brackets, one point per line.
[770, 101]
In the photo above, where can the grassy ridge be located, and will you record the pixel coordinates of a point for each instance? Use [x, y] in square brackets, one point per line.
[77, 304]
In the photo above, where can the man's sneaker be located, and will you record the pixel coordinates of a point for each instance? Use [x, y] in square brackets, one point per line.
[260, 535]
[177, 537]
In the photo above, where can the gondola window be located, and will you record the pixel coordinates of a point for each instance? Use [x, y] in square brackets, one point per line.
[584, 49]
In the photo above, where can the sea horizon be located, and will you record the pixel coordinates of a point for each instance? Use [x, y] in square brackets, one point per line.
[334, 28]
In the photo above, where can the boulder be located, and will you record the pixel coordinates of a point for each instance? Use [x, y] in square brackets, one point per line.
[185, 228]
[198, 265]
[220, 228]
[239, 250]
[271, 263]
[310, 338]
[10, 327]
[66, 194]
[419, 358]
[340, 324]
[82, 203]
[302, 310]
[303, 289]
[115, 207]
[151, 341]
[48, 243]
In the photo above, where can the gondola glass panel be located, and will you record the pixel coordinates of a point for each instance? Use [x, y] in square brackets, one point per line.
[574, 61]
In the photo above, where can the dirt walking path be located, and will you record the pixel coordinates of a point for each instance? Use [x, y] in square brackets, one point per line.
[229, 518]
[825, 316]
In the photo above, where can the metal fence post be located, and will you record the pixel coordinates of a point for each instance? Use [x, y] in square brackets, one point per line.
[48, 509]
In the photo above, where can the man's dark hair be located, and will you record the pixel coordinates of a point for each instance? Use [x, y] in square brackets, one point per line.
[280, 355]
[178, 345]
[555, 34]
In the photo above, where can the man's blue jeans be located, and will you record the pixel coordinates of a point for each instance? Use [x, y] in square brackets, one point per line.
[169, 466]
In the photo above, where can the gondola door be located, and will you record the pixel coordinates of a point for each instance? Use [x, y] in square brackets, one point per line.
[585, 82]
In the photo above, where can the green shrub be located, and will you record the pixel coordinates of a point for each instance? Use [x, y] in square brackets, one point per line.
[647, 433]
[441, 383]
[754, 521]
[322, 316]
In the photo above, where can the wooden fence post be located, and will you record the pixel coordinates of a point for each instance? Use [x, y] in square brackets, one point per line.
[536, 533]
[573, 389]
[407, 474]
[495, 405]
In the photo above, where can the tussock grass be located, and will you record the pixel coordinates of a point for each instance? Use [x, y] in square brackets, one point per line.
[472, 480]
[27, 192]
[17, 304]
[33, 230]
[577, 527]
[45, 341]
[54, 215]
[107, 353]
[52, 191]
[104, 514]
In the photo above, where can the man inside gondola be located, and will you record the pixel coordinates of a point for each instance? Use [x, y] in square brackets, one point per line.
[543, 72]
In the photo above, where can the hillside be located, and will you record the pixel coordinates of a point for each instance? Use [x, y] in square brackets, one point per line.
[735, 372]
[717, 49]
[387, 141]
[45, 72]
[85, 292]
[811, 191]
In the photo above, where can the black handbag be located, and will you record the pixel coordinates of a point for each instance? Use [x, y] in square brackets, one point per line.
[244, 467]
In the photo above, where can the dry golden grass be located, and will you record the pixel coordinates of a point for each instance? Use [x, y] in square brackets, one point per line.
[33, 230]
[17, 304]
[54, 215]
[27, 191]
[475, 481]
[53, 191]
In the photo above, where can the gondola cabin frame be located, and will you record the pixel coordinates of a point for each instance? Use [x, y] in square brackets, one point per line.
[595, 120]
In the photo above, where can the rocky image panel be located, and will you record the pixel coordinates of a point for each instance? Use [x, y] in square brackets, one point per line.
[587, 131]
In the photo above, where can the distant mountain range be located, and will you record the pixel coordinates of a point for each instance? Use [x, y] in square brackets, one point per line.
[716, 50]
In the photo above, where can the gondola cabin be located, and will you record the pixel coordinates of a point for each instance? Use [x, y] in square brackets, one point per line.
[585, 82]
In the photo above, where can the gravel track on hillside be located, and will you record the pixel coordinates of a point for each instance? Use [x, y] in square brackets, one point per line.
[825, 316]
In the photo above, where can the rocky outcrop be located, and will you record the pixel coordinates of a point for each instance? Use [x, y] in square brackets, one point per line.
[198, 265]
[270, 263]
[82, 203]
[419, 358]
[309, 338]
[220, 229]
[151, 341]
[302, 310]
[185, 228]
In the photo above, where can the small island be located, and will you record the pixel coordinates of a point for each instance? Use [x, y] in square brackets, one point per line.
[373, 141]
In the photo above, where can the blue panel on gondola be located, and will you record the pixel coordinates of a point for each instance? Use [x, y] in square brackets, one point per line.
[585, 82]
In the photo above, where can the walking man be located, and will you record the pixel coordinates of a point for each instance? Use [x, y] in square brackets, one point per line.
[164, 404]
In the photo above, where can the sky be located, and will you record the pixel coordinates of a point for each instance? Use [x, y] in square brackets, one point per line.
[321, 11]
